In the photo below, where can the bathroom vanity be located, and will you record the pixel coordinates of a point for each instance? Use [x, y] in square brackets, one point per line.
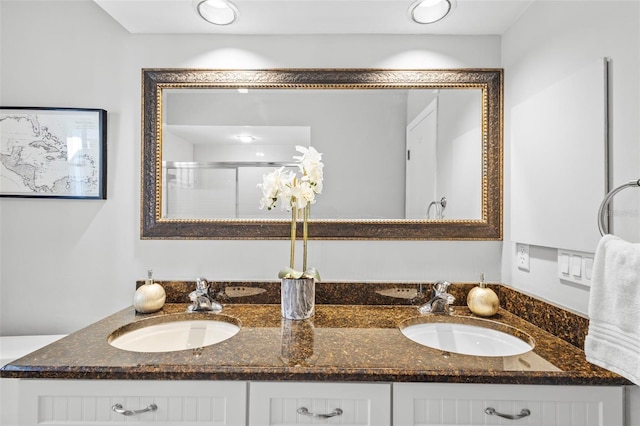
[349, 365]
[235, 403]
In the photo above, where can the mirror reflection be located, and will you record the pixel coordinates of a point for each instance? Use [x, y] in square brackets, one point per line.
[408, 154]
[389, 154]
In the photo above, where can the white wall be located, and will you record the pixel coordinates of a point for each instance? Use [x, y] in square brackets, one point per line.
[67, 263]
[552, 40]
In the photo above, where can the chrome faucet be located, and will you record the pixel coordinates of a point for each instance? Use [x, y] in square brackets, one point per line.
[201, 300]
[439, 207]
[441, 301]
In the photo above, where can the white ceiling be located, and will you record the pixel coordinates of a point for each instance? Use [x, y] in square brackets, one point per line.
[469, 17]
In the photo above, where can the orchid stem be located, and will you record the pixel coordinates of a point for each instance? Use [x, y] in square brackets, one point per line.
[294, 220]
[304, 237]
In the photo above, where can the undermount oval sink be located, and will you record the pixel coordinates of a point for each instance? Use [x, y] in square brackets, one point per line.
[467, 336]
[169, 333]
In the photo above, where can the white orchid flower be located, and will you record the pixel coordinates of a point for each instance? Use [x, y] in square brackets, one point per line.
[272, 187]
[311, 167]
[295, 194]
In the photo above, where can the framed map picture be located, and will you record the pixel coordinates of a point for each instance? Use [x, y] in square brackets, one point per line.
[53, 152]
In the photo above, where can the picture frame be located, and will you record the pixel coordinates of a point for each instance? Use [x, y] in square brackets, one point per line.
[53, 152]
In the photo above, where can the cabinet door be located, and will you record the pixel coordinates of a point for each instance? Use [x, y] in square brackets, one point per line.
[8, 401]
[445, 404]
[91, 402]
[289, 404]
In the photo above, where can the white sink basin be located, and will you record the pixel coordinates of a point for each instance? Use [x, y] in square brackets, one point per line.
[161, 334]
[469, 337]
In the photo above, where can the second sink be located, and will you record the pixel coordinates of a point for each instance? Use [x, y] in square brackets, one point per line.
[174, 333]
[468, 336]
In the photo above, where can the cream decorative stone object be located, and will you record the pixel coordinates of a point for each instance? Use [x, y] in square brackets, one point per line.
[149, 297]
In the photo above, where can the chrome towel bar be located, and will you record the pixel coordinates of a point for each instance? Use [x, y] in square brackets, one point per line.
[602, 224]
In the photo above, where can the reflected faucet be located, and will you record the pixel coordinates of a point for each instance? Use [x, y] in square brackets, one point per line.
[441, 301]
[200, 299]
[439, 207]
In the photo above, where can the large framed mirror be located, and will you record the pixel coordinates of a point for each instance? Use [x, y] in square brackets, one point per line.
[408, 154]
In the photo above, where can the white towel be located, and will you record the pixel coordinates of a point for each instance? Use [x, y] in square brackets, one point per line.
[613, 341]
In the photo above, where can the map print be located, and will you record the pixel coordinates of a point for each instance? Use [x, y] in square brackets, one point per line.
[50, 153]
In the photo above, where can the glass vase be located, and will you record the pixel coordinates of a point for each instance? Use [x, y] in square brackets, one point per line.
[297, 298]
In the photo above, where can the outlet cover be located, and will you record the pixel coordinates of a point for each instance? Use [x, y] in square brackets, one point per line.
[522, 257]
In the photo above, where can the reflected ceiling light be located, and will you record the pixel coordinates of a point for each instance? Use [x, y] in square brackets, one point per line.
[430, 11]
[218, 12]
[243, 90]
[246, 138]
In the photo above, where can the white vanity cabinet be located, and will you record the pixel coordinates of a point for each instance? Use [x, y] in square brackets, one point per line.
[239, 403]
[92, 402]
[294, 403]
[444, 404]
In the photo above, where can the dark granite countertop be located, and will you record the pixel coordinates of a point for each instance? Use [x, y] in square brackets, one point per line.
[354, 336]
[340, 343]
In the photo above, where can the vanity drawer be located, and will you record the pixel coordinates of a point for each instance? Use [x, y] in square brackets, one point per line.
[444, 404]
[291, 403]
[91, 402]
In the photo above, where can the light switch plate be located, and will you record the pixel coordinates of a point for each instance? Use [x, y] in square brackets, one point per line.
[575, 266]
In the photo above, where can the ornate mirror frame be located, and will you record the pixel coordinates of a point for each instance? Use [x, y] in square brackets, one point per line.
[489, 227]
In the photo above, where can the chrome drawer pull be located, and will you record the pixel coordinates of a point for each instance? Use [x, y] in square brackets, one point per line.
[523, 413]
[118, 409]
[305, 412]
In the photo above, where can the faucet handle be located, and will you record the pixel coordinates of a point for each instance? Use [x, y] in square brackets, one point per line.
[441, 286]
[449, 298]
[201, 284]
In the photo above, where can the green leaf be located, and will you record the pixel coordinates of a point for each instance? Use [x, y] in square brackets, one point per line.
[290, 273]
[312, 272]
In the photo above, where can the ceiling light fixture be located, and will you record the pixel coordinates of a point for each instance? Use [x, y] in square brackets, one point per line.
[218, 12]
[430, 11]
[246, 138]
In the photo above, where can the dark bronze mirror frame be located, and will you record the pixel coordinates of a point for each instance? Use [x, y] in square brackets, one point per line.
[490, 81]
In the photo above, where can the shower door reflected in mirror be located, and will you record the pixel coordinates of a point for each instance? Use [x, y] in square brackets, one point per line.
[212, 171]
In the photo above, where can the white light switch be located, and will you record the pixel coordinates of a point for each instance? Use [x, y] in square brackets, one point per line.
[564, 263]
[576, 266]
[588, 267]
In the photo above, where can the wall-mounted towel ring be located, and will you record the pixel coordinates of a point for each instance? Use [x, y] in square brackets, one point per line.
[603, 225]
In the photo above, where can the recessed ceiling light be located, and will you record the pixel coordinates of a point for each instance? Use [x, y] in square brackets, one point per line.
[430, 11]
[246, 138]
[218, 12]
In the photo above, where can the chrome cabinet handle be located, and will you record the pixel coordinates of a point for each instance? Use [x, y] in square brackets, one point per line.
[118, 409]
[305, 412]
[523, 413]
